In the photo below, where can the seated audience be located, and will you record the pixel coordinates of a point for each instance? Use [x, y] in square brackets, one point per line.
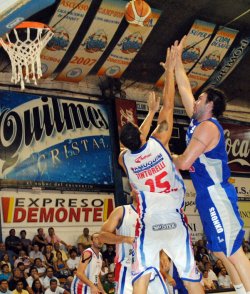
[109, 255]
[39, 239]
[5, 272]
[33, 275]
[85, 239]
[60, 266]
[109, 284]
[49, 256]
[36, 253]
[12, 242]
[6, 260]
[17, 276]
[53, 238]
[224, 280]
[41, 268]
[58, 249]
[55, 289]
[4, 287]
[26, 243]
[48, 277]
[19, 289]
[22, 257]
[37, 287]
[207, 283]
[73, 260]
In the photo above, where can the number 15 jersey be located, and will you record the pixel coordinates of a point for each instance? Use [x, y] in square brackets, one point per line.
[151, 169]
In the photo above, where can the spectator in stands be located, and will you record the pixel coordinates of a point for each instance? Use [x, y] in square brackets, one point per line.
[49, 256]
[33, 275]
[218, 266]
[9, 252]
[12, 242]
[73, 260]
[80, 249]
[85, 239]
[22, 269]
[58, 249]
[41, 268]
[37, 287]
[6, 274]
[67, 284]
[55, 289]
[211, 274]
[109, 285]
[104, 271]
[36, 253]
[22, 257]
[224, 280]
[26, 243]
[48, 277]
[39, 239]
[17, 276]
[4, 287]
[53, 238]
[61, 267]
[6, 260]
[207, 283]
[246, 251]
[20, 289]
[109, 255]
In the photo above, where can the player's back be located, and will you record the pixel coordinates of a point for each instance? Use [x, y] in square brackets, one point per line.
[126, 228]
[151, 169]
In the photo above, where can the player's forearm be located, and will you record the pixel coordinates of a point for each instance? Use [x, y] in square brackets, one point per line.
[184, 87]
[168, 90]
[110, 238]
[181, 162]
[145, 126]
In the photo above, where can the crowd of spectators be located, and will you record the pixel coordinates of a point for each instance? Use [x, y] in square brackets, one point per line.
[47, 264]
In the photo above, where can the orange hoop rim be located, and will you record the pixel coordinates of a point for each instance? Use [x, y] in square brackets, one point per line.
[33, 25]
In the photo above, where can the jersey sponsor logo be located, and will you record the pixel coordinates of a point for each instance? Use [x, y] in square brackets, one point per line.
[163, 227]
[141, 158]
[147, 165]
[215, 220]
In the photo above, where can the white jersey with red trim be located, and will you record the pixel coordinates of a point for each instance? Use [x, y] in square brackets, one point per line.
[92, 272]
[151, 169]
[126, 228]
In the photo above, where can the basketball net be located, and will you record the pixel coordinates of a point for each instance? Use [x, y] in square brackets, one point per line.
[25, 55]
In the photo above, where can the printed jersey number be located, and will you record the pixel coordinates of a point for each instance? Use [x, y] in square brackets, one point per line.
[158, 182]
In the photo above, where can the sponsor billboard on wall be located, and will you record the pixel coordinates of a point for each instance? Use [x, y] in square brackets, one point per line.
[67, 213]
[54, 142]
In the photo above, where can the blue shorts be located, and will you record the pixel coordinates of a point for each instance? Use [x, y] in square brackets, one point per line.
[222, 224]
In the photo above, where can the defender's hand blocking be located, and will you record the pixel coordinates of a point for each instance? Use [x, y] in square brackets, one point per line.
[169, 64]
[178, 47]
[153, 102]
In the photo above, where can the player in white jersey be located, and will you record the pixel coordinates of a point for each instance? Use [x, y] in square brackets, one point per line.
[119, 229]
[206, 157]
[161, 190]
[87, 278]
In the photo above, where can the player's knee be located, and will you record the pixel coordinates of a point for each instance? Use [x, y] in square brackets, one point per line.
[194, 287]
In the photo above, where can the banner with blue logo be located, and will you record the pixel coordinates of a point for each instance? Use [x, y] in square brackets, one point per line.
[54, 142]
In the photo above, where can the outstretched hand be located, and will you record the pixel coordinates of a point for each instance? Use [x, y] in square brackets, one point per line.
[169, 64]
[153, 102]
[178, 46]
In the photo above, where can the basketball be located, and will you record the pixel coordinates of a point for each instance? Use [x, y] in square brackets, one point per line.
[137, 12]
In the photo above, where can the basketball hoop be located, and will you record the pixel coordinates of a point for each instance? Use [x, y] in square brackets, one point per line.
[24, 50]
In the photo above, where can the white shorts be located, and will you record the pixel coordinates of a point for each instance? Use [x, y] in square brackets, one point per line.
[162, 227]
[123, 278]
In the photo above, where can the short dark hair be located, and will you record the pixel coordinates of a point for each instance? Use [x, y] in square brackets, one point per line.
[52, 281]
[218, 98]
[130, 136]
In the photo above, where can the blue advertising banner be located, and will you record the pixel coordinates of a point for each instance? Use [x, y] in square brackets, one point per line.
[54, 142]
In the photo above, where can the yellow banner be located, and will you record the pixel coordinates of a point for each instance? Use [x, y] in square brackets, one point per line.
[64, 33]
[102, 30]
[244, 208]
[127, 47]
[212, 57]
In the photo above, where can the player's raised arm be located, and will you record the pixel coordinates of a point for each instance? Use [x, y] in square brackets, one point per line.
[182, 80]
[164, 128]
